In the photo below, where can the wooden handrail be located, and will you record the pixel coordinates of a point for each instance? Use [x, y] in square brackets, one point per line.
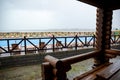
[57, 68]
[70, 60]
[113, 51]
[61, 66]
[81, 57]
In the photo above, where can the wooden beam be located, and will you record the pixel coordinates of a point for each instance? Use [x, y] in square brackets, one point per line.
[53, 61]
[108, 4]
[81, 57]
[95, 3]
[113, 51]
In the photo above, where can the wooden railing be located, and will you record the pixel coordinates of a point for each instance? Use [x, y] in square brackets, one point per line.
[56, 69]
[33, 45]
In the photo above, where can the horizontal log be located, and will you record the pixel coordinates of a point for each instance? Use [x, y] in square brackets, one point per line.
[110, 55]
[81, 57]
[56, 63]
[113, 51]
[52, 60]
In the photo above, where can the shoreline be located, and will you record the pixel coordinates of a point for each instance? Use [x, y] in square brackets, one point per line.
[56, 33]
[42, 34]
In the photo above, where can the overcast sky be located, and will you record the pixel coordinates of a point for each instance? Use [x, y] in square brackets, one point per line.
[35, 15]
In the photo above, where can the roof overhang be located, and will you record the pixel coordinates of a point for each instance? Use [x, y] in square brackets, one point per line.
[108, 4]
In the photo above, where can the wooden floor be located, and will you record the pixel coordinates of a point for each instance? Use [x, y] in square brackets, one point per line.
[108, 71]
[116, 76]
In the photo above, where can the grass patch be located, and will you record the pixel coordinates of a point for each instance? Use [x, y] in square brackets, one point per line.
[32, 72]
[80, 68]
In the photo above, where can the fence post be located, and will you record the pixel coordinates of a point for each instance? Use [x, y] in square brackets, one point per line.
[57, 69]
[40, 41]
[25, 44]
[76, 42]
[53, 43]
[65, 42]
[8, 46]
[39, 45]
[86, 41]
[47, 71]
[93, 40]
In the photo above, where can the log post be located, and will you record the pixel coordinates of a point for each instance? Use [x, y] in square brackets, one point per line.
[47, 71]
[57, 69]
[103, 34]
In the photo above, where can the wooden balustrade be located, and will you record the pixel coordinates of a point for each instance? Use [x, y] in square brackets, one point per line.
[61, 66]
[58, 67]
[81, 57]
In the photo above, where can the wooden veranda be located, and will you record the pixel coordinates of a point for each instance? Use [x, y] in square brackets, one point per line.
[56, 69]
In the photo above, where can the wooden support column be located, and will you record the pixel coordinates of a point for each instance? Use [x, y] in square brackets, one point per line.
[55, 69]
[103, 34]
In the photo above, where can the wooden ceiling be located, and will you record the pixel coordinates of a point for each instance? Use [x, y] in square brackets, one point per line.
[105, 4]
